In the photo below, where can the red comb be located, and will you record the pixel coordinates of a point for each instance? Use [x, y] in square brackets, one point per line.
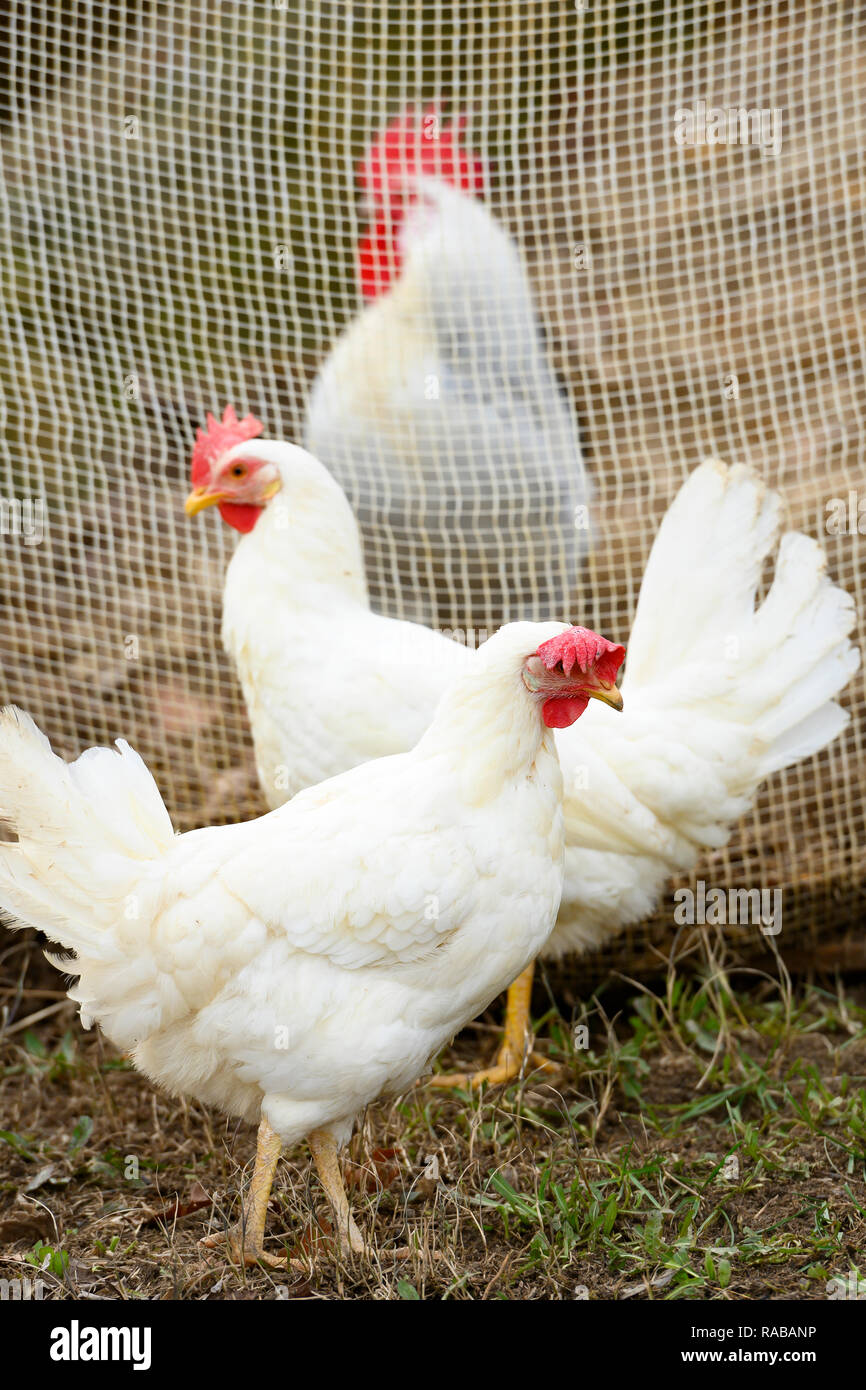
[416, 143]
[220, 436]
[581, 647]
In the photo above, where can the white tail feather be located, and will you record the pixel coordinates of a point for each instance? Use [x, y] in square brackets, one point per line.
[718, 694]
[774, 669]
[766, 673]
[86, 832]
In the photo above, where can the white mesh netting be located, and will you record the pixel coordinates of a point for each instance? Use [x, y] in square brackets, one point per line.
[180, 217]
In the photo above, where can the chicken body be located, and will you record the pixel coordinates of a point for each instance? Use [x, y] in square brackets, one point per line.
[439, 412]
[719, 693]
[297, 966]
[296, 585]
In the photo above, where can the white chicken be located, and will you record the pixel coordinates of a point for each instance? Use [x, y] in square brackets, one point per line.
[442, 379]
[291, 969]
[720, 693]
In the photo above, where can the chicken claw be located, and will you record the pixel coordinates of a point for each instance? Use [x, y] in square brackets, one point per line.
[242, 1248]
[512, 1060]
[244, 1241]
[323, 1147]
[509, 1066]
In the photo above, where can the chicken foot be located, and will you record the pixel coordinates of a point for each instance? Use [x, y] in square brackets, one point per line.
[245, 1239]
[323, 1147]
[512, 1055]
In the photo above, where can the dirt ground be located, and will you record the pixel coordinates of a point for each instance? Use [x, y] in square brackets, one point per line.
[708, 1143]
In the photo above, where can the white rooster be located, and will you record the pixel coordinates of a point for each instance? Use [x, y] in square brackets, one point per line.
[720, 693]
[438, 409]
[291, 969]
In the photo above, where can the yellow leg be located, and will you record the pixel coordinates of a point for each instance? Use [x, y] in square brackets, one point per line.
[323, 1147]
[512, 1054]
[245, 1240]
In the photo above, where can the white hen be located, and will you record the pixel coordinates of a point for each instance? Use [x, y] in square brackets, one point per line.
[293, 968]
[720, 694]
[438, 408]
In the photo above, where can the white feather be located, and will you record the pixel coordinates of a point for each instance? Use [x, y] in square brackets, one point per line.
[300, 964]
[438, 410]
[719, 693]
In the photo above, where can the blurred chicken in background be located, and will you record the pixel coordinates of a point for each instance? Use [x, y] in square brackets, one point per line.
[439, 395]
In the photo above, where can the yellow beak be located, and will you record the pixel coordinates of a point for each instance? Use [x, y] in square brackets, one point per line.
[200, 498]
[609, 695]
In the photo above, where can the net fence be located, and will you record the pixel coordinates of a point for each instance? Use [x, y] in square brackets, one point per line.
[180, 221]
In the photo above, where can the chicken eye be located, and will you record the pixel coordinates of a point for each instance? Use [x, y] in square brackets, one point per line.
[238, 470]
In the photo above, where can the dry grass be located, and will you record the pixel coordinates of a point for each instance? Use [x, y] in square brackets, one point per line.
[609, 1182]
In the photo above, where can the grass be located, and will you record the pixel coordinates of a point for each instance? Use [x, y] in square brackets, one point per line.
[697, 1142]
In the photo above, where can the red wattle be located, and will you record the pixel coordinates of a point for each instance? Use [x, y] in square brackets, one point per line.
[243, 518]
[561, 710]
[379, 257]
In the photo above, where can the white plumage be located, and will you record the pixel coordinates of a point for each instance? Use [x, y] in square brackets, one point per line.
[438, 410]
[719, 693]
[299, 965]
